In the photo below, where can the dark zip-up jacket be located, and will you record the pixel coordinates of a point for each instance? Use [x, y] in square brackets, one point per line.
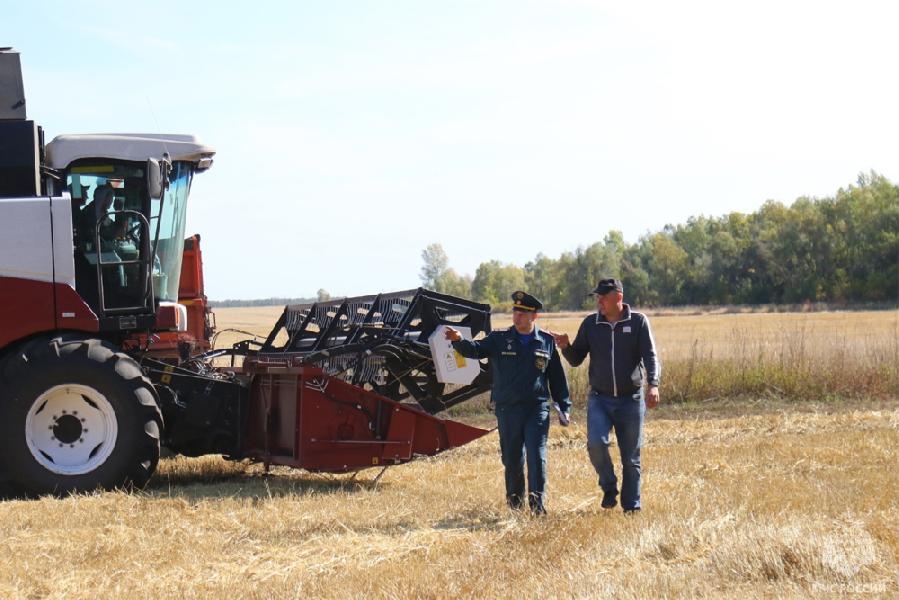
[522, 374]
[618, 353]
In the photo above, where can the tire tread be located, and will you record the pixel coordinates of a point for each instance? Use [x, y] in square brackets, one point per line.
[144, 442]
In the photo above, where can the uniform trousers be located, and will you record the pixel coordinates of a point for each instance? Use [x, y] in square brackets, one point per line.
[523, 429]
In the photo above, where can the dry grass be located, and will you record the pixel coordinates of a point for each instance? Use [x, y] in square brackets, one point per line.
[714, 356]
[753, 497]
[797, 356]
[782, 503]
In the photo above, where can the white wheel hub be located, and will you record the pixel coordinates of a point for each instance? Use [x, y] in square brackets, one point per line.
[71, 429]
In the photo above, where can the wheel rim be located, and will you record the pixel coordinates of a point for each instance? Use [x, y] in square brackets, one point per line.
[71, 429]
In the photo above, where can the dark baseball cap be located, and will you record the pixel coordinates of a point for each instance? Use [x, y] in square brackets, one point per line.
[607, 285]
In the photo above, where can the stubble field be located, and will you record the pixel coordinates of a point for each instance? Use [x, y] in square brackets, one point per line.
[770, 471]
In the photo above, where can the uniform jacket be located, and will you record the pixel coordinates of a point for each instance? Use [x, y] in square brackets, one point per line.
[522, 374]
[619, 353]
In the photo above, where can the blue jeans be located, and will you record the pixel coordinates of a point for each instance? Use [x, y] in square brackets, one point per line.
[523, 430]
[625, 414]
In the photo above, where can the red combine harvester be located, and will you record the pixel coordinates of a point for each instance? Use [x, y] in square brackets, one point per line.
[104, 332]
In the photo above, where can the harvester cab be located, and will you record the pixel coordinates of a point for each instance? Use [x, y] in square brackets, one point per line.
[128, 216]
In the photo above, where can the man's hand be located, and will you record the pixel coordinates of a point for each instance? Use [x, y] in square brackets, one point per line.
[562, 340]
[451, 334]
[652, 396]
[564, 417]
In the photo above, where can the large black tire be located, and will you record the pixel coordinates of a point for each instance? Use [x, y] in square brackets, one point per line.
[51, 391]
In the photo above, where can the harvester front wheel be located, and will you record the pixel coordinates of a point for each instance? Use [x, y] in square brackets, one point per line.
[77, 415]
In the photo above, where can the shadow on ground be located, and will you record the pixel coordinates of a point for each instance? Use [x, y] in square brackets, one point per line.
[257, 484]
[251, 484]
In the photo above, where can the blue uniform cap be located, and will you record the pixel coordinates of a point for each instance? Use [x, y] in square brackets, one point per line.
[526, 302]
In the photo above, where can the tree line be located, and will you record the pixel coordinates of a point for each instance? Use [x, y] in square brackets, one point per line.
[322, 296]
[842, 249]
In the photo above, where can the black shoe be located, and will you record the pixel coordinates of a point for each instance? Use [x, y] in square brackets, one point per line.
[631, 511]
[609, 499]
[535, 503]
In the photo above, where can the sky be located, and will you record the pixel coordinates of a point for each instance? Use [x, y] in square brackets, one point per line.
[352, 134]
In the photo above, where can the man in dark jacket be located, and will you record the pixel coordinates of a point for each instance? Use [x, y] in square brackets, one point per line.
[526, 371]
[620, 344]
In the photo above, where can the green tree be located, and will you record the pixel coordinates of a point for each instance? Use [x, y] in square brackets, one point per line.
[668, 268]
[637, 289]
[870, 224]
[841, 248]
[579, 271]
[435, 265]
[450, 282]
[436, 274]
[541, 278]
[494, 283]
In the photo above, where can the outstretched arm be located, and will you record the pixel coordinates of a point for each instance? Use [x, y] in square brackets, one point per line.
[574, 352]
[469, 348]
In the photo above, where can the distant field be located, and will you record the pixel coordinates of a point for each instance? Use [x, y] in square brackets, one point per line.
[802, 356]
[676, 335]
[752, 494]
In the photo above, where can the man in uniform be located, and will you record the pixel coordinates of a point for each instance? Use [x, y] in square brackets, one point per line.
[620, 346]
[526, 371]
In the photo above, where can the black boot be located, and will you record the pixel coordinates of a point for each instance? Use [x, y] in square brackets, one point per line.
[609, 499]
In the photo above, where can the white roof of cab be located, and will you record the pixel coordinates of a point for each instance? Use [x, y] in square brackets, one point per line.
[138, 147]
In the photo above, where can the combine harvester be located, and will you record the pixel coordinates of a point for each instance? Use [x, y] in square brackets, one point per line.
[101, 365]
